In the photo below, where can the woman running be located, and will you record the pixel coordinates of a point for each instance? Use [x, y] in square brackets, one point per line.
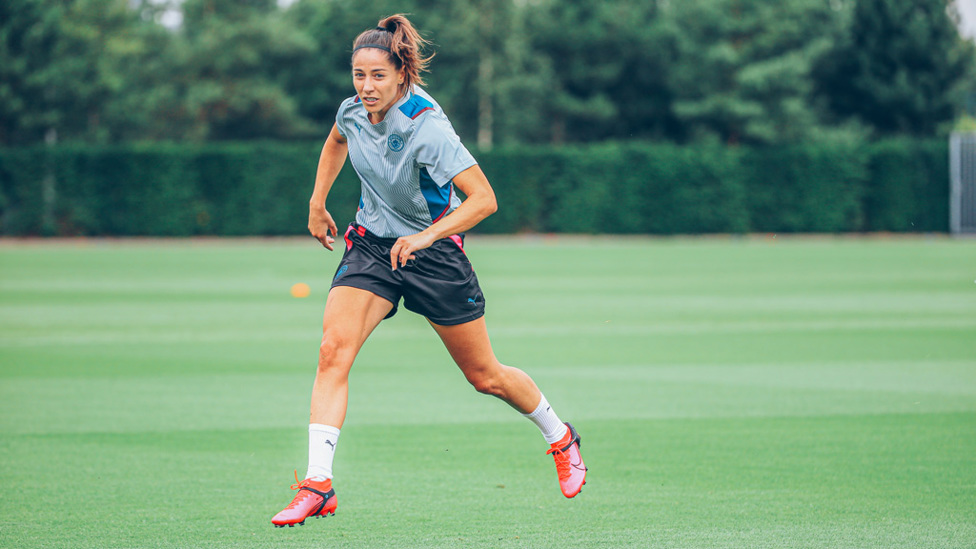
[405, 243]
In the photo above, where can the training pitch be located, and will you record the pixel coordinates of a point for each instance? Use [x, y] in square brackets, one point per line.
[731, 392]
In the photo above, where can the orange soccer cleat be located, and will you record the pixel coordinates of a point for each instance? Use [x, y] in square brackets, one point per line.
[314, 499]
[569, 463]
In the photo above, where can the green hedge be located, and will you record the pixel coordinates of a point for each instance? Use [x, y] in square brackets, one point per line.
[908, 189]
[636, 188]
[814, 188]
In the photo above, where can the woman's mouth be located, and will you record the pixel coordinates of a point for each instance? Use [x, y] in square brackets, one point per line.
[370, 101]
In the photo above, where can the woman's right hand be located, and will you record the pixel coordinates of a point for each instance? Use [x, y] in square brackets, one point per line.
[320, 224]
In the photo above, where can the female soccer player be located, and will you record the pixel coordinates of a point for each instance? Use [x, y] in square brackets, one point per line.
[405, 243]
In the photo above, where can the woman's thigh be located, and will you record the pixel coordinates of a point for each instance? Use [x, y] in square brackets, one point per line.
[351, 314]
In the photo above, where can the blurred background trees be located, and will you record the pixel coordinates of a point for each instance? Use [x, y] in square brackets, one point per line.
[899, 67]
[507, 71]
[742, 69]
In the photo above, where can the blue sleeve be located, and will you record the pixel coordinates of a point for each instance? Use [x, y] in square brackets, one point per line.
[340, 125]
[439, 149]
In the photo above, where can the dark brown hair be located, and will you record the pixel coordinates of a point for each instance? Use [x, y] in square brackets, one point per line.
[403, 44]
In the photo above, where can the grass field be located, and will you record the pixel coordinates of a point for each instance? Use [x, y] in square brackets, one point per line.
[731, 393]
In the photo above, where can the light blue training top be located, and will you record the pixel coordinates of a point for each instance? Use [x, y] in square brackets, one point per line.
[406, 163]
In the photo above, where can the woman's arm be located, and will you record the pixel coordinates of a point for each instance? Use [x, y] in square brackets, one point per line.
[479, 204]
[320, 222]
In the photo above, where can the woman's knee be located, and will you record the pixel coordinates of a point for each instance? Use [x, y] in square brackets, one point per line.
[335, 352]
[488, 381]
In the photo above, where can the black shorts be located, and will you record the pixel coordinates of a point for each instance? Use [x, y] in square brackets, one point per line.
[439, 284]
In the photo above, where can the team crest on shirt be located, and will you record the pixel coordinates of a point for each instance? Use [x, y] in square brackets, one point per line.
[395, 142]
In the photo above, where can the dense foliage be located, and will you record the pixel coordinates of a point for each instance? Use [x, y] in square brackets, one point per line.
[507, 72]
[262, 188]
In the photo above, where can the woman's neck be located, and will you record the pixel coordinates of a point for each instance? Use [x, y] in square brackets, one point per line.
[377, 117]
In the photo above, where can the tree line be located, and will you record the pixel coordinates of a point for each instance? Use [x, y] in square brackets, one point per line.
[507, 72]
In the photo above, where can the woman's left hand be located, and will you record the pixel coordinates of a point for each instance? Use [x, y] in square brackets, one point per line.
[405, 246]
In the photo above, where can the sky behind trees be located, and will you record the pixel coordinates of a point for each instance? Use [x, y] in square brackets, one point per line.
[967, 12]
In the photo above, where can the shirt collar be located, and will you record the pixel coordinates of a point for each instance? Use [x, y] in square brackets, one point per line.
[396, 106]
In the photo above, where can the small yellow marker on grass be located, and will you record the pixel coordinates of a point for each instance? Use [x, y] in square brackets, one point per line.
[300, 290]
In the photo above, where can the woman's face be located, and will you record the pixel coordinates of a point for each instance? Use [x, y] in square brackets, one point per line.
[377, 81]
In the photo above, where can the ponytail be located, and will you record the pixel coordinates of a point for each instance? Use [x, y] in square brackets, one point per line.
[400, 40]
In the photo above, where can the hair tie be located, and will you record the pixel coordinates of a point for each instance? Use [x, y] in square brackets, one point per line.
[384, 29]
[377, 46]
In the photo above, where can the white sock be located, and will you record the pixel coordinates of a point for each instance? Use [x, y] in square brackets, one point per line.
[548, 422]
[322, 440]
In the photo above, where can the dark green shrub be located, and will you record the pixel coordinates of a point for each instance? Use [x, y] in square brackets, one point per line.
[909, 186]
[650, 188]
[815, 187]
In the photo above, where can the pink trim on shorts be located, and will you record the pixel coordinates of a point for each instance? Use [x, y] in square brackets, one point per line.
[460, 243]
